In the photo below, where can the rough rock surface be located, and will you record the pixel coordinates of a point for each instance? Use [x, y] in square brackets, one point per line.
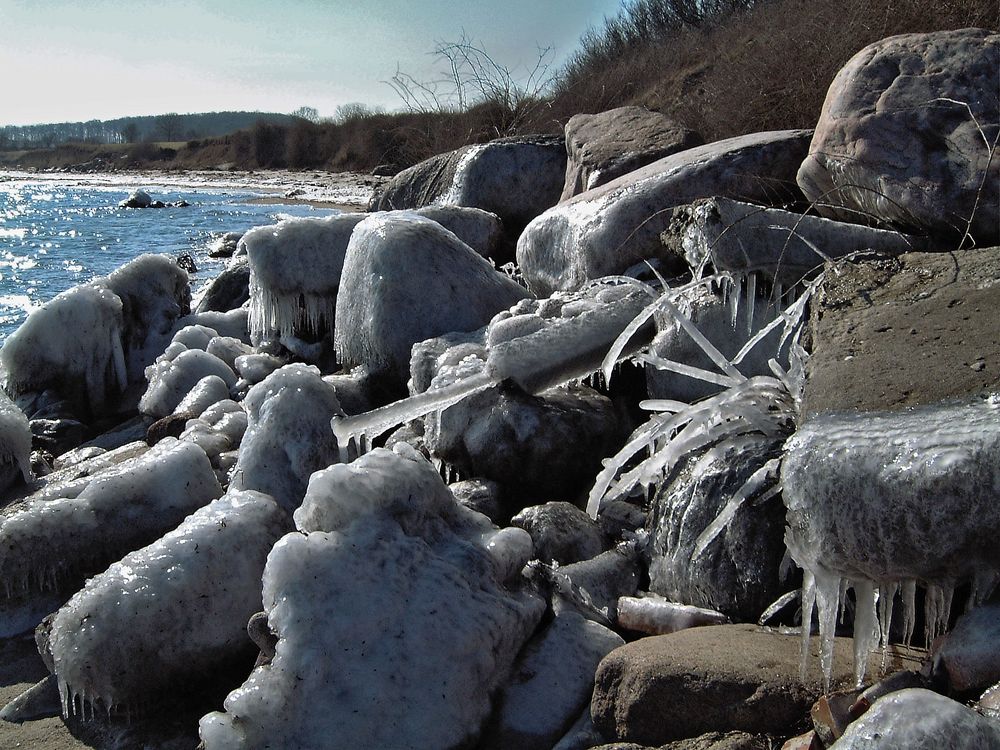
[969, 658]
[479, 229]
[609, 229]
[561, 532]
[604, 146]
[227, 291]
[890, 333]
[720, 678]
[906, 134]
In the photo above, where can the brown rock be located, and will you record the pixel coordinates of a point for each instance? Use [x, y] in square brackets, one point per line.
[605, 146]
[889, 333]
[906, 134]
[721, 678]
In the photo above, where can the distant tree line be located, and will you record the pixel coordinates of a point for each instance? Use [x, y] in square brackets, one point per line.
[166, 127]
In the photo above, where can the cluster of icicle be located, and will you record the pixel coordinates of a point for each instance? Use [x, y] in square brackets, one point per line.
[288, 312]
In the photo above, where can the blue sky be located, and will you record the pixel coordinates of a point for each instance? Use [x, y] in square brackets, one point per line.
[68, 61]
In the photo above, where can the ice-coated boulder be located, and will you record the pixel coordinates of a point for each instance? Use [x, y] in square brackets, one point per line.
[227, 349]
[288, 435]
[170, 380]
[918, 719]
[15, 444]
[72, 345]
[604, 146]
[479, 229]
[139, 198]
[168, 613]
[219, 429]
[906, 137]
[611, 228]
[54, 542]
[891, 498]
[225, 245]
[155, 294]
[232, 323]
[394, 589]
[551, 682]
[739, 573]
[561, 532]
[656, 615]
[515, 178]
[295, 269]
[407, 279]
[783, 246]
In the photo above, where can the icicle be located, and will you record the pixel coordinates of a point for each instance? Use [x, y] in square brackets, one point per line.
[866, 627]
[886, 602]
[828, 588]
[767, 472]
[733, 300]
[909, 595]
[669, 365]
[937, 611]
[842, 598]
[751, 300]
[808, 604]
[779, 604]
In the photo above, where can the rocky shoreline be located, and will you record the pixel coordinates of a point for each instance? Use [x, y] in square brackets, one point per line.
[559, 445]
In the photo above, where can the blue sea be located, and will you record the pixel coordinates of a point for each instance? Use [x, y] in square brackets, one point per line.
[55, 234]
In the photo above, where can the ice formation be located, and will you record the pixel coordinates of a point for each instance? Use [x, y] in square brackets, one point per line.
[72, 344]
[288, 435]
[209, 390]
[218, 430]
[55, 542]
[15, 444]
[295, 269]
[883, 501]
[170, 380]
[390, 592]
[657, 616]
[166, 613]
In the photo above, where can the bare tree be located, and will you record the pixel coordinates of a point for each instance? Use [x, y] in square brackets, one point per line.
[169, 126]
[473, 79]
[130, 132]
[307, 113]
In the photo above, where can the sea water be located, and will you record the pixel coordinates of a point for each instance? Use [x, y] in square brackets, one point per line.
[55, 234]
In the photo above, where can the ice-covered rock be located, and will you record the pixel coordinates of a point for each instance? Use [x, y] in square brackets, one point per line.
[209, 390]
[479, 229]
[227, 291]
[167, 613]
[228, 349]
[407, 279]
[392, 590]
[56, 542]
[918, 719]
[605, 146]
[170, 380]
[139, 198]
[599, 581]
[907, 137]
[295, 269]
[738, 573]
[611, 228]
[886, 500]
[785, 247]
[194, 337]
[561, 532]
[515, 178]
[254, 367]
[551, 682]
[225, 245]
[232, 323]
[969, 659]
[655, 615]
[288, 435]
[219, 429]
[15, 444]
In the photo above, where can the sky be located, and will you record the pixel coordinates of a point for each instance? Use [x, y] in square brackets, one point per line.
[63, 61]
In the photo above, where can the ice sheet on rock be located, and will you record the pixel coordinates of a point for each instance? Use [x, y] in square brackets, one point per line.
[233, 324]
[195, 337]
[918, 719]
[402, 595]
[209, 390]
[171, 380]
[227, 349]
[254, 367]
[295, 269]
[15, 444]
[288, 435]
[657, 616]
[55, 542]
[73, 344]
[890, 498]
[168, 613]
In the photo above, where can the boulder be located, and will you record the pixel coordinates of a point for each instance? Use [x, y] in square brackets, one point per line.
[906, 136]
[720, 678]
[407, 279]
[480, 495]
[605, 146]
[969, 659]
[479, 229]
[918, 719]
[782, 246]
[227, 291]
[738, 573]
[515, 178]
[605, 578]
[170, 380]
[561, 532]
[225, 246]
[611, 228]
[551, 681]
[891, 333]
[137, 199]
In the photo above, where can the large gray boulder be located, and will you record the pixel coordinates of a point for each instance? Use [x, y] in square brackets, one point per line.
[604, 146]
[406, 279]
[227, 291]
[516, 178]
[890, 333]
[907, 134]
[607, 230]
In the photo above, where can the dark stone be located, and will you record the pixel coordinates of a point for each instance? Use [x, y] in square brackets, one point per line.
[229, 290]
